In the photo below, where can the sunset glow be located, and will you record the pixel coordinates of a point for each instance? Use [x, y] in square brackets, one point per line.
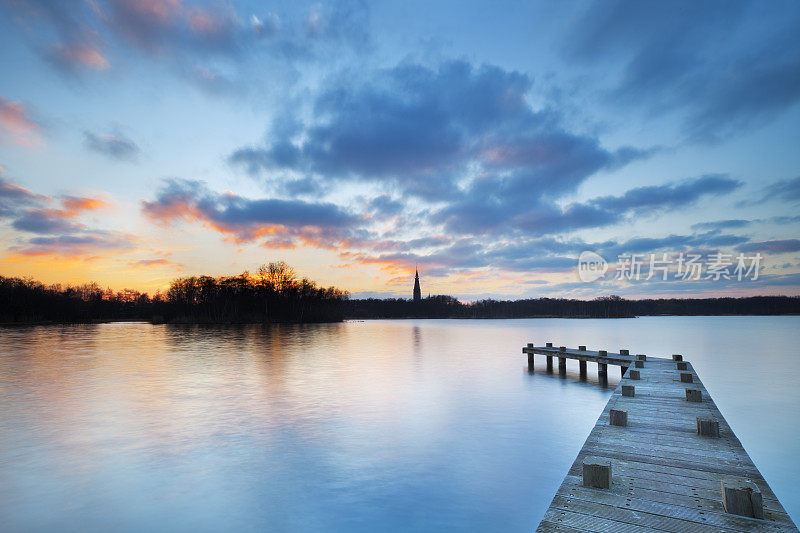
[144, 141]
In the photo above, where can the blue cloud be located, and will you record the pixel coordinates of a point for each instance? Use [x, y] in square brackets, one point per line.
[423, 130]
[725, 78]
[113, 145]
[492, 206]
[785, 190]
[77, 245]
[384, 205]
[14, 199]
[45, 221]
[722, 224]
[669, 196]
[771, 247]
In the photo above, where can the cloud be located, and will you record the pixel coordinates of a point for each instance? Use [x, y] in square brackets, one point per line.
[669, 196]
[76, 204]
[60, 232]
[206, 42]
[785, 219]
[146, 23]
[188, 33]
[169, 27]
[76, 245]
[146, 263]
[724, 78]
[113, 145]
[424, 130]
[722, 224]
[14, 199]
[771, 247]
[47, 221]
[307, 186]
[785, 190]
[274, 221]
[656, 287]
[72, 44]
[84, 54]
[495, 205]
[384, 206]
[541, 255]
[17, 125]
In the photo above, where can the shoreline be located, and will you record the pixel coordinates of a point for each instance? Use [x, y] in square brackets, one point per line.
[362, 319]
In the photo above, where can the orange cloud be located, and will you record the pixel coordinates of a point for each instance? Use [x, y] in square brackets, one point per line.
[16, 124]
[393, 265]
[75, 204]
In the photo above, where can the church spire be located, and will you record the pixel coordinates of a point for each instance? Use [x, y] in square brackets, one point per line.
[417, 291]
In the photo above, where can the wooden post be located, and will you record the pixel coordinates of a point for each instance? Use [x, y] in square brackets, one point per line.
[562, 365]
[549, 345]
[622, 351]
[596, 472]
[582, 348]
[602, 369]
[629, 391]
[582, 368]
[549, 363]
[694, 395]
[562, 348]
[639, 364]
[634, 374]
[741, 497]
[677, 357]
[707, 427]
[602, 353]
[681, 365]
[686, 377]
[622, 371]
[641, 357]
[618, 417]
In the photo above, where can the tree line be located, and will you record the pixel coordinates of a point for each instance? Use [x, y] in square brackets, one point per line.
[273, 294]
[602, 307]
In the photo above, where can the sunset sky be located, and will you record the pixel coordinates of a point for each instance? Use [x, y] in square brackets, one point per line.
[489, 143]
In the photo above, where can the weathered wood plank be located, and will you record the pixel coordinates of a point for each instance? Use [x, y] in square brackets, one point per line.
[665, 476]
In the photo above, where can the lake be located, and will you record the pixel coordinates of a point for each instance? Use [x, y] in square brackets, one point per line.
[407, 425]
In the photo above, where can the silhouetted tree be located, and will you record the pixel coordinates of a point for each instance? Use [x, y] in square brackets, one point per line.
[274, 294]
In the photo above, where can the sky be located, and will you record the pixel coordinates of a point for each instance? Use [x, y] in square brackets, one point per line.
[487, 144]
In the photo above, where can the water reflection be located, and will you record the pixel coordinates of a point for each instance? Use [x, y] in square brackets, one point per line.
[362, 426]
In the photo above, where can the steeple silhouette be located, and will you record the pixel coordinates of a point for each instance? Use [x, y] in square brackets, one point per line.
[417, 291]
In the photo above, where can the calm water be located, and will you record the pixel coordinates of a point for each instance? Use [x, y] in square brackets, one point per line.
[363, 426]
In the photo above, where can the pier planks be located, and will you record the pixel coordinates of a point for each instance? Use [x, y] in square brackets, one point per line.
[665, 477]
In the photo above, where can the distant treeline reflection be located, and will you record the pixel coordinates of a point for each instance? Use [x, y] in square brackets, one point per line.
[275, 294]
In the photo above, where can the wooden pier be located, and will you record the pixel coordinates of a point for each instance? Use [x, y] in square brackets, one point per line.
[661, 457]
